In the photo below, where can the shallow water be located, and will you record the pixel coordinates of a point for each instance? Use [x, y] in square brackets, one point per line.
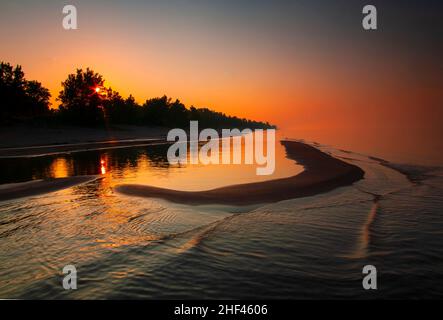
[148, 165]
[313, 247]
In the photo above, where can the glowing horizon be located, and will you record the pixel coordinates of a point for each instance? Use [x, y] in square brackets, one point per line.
[306, 67]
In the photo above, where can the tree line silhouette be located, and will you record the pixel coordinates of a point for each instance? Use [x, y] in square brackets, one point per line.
[85, 101]
[20, 98]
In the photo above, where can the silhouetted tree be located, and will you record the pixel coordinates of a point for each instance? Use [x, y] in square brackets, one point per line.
[163, 112]
[122, 111]
[38, 97]
[178, 115]
[20, 99]
[155, 111]
[85, 101]
[82, 98]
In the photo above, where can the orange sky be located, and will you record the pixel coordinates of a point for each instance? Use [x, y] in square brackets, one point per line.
[312, 72]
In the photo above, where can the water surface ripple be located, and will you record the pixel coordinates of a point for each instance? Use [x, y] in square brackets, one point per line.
[313, 247]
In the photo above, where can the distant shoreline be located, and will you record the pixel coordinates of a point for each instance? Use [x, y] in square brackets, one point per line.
[49, 150]
[322, 173]
[31, 142]
[20, 141]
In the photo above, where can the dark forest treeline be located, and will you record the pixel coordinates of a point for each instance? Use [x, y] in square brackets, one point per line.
[85, 101]
[20, 98]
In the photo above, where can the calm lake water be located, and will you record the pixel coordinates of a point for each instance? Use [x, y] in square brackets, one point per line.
[146, 165]
[128, 247]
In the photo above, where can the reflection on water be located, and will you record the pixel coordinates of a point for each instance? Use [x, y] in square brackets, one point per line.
[102, 167]
[145, 165]
[128, 247]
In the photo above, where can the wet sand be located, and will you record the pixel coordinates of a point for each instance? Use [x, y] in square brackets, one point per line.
[322, 173]
[32, 188]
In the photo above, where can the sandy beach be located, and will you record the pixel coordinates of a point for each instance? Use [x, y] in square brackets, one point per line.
[322, 173]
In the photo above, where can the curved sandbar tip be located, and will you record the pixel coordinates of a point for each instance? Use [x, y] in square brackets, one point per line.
[32, 188]
[322, 173]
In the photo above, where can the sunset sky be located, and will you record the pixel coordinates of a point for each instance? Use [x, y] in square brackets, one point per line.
[307, 66]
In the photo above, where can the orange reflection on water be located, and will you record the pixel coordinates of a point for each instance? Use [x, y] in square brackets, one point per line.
[60, 168]
[150, 166]
[150, 170]
[102, 167]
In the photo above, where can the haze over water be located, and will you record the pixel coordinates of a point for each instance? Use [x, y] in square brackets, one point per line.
[306, 66]
[393, 146]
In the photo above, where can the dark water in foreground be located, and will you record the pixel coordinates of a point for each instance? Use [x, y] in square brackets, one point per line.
[312, 247]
